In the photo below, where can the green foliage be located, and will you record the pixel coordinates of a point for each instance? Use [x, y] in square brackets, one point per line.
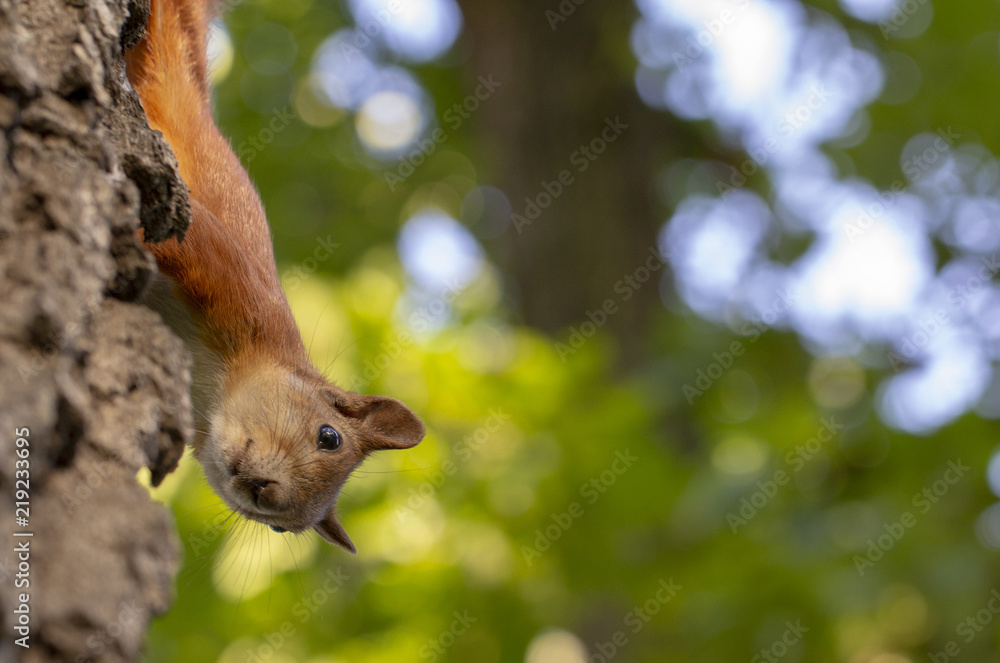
[556, 494]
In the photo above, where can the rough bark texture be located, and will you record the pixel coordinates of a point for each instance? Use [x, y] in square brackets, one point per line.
[97, 379]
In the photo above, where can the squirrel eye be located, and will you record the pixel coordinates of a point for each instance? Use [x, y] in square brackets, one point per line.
[328, 438]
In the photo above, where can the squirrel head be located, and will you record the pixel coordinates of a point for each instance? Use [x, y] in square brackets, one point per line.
[283, 442]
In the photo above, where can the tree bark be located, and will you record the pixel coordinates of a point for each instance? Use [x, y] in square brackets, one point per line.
[97, 380]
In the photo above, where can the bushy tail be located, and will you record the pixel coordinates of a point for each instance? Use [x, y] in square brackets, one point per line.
[169, 67]
[169, 71]
[225, 262]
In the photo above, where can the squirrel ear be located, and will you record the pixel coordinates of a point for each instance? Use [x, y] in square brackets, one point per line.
[385, 422]
[333, 532]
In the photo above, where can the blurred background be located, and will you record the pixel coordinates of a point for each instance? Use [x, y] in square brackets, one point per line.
[697, 299]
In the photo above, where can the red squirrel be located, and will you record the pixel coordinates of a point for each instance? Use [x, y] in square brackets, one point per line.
[277, 440]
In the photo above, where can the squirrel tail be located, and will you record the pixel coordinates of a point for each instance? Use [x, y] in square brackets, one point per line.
[169, 66]
[168, 69]
[225, 265]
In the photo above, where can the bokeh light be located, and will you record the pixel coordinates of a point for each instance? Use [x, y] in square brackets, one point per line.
[438, 252]
[869, 274]
[556, 647]
[826, 192]
[389, 121]
[419, 30]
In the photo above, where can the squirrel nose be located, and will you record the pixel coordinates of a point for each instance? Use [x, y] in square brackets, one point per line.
[261, 490]
[257, 486]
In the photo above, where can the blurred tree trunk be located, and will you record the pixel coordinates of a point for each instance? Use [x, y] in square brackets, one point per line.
[95, 386]
[563, 78]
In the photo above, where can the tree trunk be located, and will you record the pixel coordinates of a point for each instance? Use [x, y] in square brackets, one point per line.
[563, 78]
[97, 380]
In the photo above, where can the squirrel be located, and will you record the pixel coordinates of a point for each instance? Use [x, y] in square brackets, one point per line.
[276, 440]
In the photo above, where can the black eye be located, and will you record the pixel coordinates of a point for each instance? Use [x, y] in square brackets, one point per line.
[328, 439]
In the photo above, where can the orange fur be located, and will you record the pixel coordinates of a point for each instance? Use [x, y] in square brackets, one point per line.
[225, 266]
[262, 407]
